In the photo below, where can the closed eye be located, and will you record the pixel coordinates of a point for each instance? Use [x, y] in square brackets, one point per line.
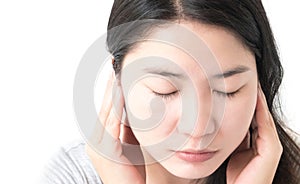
[227, 94]
[167, 96]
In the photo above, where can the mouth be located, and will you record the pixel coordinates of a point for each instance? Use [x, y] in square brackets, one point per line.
[195, 155]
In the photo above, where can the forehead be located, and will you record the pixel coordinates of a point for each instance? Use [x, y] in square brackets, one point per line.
[193, 47]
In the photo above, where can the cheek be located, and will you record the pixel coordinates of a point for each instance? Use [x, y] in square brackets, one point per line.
[160, 118]
[138, 102]
[238, 116]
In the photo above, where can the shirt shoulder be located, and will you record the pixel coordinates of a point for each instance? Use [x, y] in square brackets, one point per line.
[70, 165]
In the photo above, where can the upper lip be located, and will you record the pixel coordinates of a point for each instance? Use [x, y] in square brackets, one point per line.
[193, 151]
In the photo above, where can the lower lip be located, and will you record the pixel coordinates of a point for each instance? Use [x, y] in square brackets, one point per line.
[195, 157]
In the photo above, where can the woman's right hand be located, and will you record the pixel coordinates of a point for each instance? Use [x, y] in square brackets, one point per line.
[107, 137]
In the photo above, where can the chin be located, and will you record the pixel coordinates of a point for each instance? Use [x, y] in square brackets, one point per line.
[187, 170]
[190, 175]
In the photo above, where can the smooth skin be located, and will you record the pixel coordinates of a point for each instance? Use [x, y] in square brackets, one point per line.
[247, 165]
[250, 165]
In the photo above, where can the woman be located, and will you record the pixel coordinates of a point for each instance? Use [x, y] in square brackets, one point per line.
[215, 127]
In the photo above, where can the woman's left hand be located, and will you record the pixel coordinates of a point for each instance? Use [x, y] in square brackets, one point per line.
[258, 164]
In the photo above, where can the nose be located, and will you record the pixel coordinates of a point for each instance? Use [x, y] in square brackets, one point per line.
[197, 119]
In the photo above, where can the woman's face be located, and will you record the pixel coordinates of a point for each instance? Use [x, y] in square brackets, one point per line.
[177, 97]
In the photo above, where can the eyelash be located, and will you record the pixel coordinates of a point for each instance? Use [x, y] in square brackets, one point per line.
[169, 96]
[229, 95]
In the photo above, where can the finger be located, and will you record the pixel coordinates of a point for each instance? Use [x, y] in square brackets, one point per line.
[107, 99]
[110, 144]
[105, 110]
[267, 139]
[264, 120]
[267, 147]
[108, 152]
[112, 124]
[98, 129]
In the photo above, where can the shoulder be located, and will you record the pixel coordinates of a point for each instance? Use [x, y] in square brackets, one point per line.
[70, 165]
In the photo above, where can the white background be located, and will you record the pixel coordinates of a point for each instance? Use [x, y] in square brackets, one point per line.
[41, 44]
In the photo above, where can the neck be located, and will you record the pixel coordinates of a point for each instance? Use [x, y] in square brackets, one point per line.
[156, 173]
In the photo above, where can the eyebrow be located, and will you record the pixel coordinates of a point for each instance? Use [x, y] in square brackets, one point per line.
[228, 73]
[237, 70]
[165, 73]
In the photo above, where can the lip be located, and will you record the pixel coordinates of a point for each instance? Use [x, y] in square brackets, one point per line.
[195, 155]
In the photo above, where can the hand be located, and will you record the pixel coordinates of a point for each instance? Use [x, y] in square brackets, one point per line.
[257, 164]
[108, 138]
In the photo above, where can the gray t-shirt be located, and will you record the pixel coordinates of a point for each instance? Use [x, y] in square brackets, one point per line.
[69, 166]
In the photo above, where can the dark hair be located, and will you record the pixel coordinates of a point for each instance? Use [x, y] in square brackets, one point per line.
[248, 21]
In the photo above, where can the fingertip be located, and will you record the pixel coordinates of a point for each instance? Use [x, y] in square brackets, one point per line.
[259, 105]
[259, 99]
[259, 90]
[262, 114]
[258, 85]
